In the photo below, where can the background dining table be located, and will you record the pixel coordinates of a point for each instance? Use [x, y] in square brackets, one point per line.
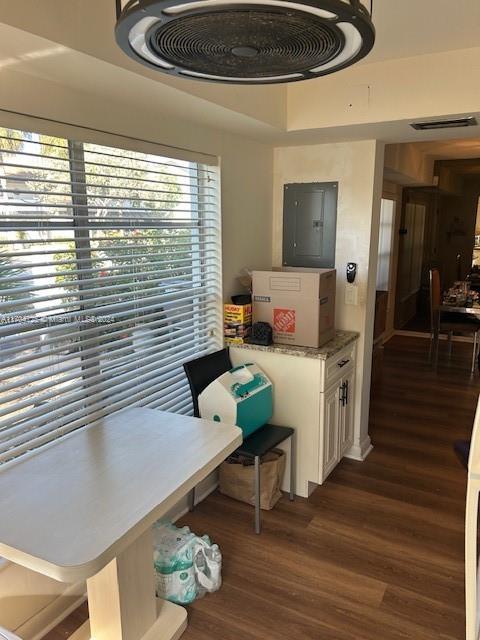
[472, 310]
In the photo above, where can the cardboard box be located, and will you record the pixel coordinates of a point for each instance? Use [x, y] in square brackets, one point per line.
[237, 322]
[299, 304]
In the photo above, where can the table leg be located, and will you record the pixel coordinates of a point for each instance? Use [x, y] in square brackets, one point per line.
[257, 494]
[474, 354]
[122, 603]
[293, 469]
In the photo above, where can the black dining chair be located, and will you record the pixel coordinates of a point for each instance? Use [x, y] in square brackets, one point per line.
[200, 373]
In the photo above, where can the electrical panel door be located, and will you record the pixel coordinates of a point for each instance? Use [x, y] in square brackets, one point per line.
[310, 224]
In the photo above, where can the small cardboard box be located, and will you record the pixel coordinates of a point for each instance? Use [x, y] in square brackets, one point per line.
[237, 322]
[299, 304]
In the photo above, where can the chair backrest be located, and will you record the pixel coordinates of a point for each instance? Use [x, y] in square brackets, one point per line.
[435, 295]
[202, 371]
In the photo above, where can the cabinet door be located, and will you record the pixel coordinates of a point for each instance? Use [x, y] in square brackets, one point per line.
[346, 413]
[330, 418]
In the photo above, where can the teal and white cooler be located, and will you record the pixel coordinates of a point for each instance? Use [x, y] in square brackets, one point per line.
[242, 396]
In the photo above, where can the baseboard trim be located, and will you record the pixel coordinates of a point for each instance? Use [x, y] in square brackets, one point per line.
[427, 336]
[361, 451]
[182, 509]
[412, 334]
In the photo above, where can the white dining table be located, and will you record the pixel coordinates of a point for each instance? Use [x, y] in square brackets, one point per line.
[470, 311]
[82, 508]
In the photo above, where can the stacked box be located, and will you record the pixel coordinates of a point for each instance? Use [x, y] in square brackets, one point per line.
[237, 322]
[299, 304]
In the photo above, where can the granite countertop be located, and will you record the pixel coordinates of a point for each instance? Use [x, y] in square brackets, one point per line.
[341, 340]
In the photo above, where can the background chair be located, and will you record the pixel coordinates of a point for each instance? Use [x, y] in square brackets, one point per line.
[448, 323]
[200, 373]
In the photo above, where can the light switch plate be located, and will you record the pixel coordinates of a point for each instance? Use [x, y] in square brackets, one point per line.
[351, 294]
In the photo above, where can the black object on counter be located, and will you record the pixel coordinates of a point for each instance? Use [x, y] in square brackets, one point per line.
[261, 334]
[242, 298]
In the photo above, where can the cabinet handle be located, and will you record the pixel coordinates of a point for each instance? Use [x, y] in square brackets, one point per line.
[342, 394]
[346, 391]
[342, 363]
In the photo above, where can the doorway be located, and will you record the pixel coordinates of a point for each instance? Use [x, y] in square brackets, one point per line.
[438, 207]
[416, 255]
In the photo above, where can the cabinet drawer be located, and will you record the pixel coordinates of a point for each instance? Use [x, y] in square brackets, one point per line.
[335, 367]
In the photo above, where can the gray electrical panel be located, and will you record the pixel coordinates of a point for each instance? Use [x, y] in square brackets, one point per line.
[310, 224]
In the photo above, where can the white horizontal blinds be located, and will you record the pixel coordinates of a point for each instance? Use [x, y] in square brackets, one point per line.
[110, 279]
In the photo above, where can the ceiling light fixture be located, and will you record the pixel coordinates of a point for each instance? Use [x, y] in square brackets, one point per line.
[245, 41]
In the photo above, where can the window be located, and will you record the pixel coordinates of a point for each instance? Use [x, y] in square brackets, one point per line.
[110, 279]
[385, 244]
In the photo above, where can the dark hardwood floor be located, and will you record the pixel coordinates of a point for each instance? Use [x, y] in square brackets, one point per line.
[377, 551]
[419, 322]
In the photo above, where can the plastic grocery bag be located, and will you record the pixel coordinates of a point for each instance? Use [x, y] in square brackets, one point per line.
[186, 566]
[208, 566]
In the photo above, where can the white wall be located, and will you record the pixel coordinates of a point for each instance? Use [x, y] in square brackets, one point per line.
[393, 192]
[408, 164]
[246, 166]
[246, 169]
[425, 86]
[88, 26]
[358, 168]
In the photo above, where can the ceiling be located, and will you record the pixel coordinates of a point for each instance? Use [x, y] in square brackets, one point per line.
[71, 42]
[407, 28]
[416, 163]
[451, 149]
[24, 53]
[463, 168]
[87, 26]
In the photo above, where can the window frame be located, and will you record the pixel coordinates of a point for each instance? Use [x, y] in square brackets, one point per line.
[82, 238]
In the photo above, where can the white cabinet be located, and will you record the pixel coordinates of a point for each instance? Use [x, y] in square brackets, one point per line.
[346, 421]
[307, 395]
[330, 443]
[336, 416]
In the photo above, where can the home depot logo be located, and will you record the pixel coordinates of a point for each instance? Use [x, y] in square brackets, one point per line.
[284, 320]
